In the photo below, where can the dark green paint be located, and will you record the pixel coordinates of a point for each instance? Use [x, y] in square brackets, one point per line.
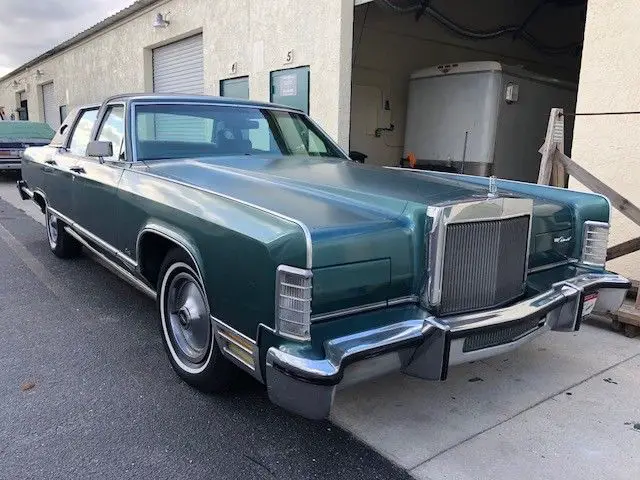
[367, 226]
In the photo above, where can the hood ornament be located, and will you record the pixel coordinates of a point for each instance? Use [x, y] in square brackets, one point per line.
[493, 187]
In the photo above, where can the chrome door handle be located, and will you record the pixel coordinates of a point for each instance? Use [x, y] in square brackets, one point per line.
[50, 162]
[77, 169]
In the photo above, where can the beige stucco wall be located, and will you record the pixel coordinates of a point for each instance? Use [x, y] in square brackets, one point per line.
[609, 146]
[254, 34]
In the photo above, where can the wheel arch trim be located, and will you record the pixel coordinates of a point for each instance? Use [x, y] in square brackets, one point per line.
[175, 236]
[39, 193]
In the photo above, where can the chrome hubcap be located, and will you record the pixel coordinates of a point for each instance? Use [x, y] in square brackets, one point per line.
[52, 229]
[189, 324]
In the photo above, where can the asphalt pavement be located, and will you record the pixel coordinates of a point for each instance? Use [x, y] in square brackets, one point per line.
[87, 391]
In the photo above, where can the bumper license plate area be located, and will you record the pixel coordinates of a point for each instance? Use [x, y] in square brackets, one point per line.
[588, 303]
[501, 335]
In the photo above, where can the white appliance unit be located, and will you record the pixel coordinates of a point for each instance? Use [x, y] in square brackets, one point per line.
[483, 118]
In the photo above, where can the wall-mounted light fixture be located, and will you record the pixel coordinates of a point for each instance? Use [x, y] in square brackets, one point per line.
[15, 84]
[39, 72]
[161, 21]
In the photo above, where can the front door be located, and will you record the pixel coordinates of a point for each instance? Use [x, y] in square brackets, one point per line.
[96, 182]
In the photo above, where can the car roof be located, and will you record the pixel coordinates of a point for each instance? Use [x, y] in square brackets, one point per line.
[25, 129]
[173, 97]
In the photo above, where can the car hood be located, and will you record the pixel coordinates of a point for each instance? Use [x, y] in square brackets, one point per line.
[304, 188]
[337, 198]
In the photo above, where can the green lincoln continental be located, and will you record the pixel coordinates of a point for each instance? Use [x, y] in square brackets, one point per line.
[268, 249]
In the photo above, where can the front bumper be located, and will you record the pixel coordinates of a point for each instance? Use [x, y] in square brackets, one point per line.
[424, 346]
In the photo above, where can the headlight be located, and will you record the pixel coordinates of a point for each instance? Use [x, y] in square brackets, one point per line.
[293, 303]
[594, 243]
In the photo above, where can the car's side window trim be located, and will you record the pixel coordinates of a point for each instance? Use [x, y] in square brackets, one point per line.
[100, 123]
[79, 116]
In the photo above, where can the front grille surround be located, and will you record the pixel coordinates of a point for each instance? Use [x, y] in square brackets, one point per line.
[498, 224]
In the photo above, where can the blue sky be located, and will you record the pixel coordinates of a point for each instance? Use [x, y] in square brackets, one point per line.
[31, 27]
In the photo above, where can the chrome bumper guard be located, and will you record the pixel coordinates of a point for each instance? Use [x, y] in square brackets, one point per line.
[426, 346]
[23, 190]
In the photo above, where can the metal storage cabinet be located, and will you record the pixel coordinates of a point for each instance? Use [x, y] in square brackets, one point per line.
[483, 118]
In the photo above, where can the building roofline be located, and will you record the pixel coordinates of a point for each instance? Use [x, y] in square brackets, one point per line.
[135, 7]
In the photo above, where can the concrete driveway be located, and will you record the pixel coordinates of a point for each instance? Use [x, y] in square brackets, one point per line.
[565, 406]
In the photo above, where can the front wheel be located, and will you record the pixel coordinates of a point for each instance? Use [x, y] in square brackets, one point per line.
[61, 243]
[186, 327]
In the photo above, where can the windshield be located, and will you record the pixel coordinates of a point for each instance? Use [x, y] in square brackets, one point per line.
[186, 130]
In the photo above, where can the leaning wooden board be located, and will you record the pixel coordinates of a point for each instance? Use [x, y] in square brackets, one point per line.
[627, 319]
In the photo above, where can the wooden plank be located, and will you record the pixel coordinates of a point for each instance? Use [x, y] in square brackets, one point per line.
[552, 139]
[624, 248]
[558, 173]
[629, 314]
[622, 204]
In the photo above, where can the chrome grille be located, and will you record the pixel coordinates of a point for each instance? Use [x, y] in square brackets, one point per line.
[484, 264]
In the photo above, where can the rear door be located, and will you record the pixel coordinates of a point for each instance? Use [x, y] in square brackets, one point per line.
[59, 178]
[96, 181]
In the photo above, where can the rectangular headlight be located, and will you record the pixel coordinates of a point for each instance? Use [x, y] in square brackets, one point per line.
[594, 243]
[293, 302]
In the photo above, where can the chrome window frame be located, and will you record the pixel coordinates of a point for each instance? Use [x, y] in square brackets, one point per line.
[72, 128]
[102, 117]
[465, 211]
[137, 102]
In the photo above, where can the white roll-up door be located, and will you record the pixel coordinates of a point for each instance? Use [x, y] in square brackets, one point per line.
[50, 107]
[179, 67]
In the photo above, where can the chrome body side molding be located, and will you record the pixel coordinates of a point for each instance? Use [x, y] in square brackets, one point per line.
[549, 266]
[86, 233]
[124, 274]
[365, 308]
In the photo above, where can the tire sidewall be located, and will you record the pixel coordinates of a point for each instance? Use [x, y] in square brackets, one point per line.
[174, 264]
[54, 246]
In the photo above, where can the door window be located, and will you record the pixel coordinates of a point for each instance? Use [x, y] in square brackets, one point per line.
[112, 130]
[82, 132]
[300, 138]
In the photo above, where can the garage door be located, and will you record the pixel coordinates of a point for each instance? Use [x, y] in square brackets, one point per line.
[178, 67]
[50, 106]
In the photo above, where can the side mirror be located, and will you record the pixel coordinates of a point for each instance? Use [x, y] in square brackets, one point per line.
[357, 156]
[96, 148]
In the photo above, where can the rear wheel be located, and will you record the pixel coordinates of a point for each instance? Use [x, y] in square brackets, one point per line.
[61, 243]
[186, 327]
